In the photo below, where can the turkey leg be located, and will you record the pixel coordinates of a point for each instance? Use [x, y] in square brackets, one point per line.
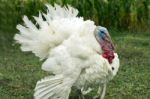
[81, 96]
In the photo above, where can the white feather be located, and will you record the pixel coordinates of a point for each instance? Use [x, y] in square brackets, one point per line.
[68, 44]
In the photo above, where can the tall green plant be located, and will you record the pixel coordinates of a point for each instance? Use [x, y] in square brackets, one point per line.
[120, 14]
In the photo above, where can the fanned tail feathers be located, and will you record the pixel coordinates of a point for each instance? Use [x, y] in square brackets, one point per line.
[51, 32]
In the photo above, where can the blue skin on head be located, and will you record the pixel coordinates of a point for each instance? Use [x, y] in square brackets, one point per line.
[104, 38]
[102, 34]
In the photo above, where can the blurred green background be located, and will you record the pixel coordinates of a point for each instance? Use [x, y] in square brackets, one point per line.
[128, 22]
[121, 14]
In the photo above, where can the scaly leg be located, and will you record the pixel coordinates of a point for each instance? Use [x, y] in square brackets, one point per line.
[80, 94]
[103, 91]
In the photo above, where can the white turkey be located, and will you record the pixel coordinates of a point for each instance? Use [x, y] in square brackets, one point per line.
[78, 53]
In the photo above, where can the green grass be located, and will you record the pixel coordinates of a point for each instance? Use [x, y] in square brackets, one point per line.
[20, 71]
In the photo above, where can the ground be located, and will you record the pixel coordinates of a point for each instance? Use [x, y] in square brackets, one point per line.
[20, 71]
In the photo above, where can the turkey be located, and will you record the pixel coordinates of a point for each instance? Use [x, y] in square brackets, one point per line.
[78, 54]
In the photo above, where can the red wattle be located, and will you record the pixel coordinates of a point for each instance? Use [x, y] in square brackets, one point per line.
[109, 55]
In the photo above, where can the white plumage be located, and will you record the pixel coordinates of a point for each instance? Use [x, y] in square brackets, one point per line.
[68, 44]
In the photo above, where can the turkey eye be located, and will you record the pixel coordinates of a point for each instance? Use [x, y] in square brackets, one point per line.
[113, 68]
